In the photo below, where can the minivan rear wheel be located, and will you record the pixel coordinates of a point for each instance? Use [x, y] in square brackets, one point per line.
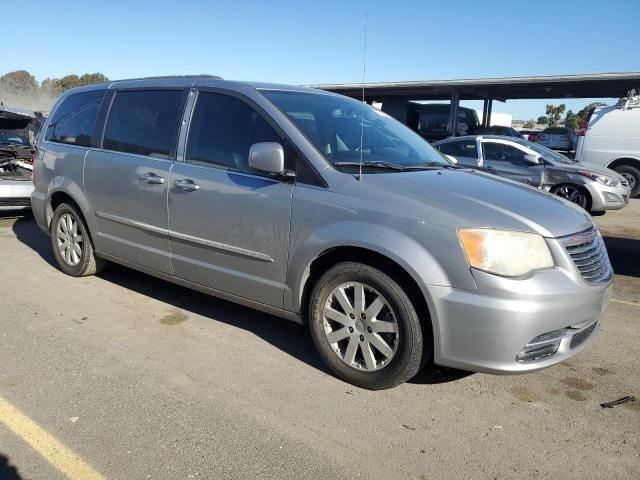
[632, 175]
[72, 244]
[365, 327]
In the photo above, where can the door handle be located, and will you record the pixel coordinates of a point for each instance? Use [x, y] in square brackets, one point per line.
[186, 184]
[151, 178]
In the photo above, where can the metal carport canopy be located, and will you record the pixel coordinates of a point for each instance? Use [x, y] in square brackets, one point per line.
[592, 85]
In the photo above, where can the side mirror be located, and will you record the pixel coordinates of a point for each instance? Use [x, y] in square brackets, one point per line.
[531, 158]
[451, 158]
[267, 157]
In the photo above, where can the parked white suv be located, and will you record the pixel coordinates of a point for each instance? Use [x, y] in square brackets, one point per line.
[610, 137]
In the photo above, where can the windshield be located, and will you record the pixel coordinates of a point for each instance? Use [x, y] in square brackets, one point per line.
[13, 139]
[549, 154]
[346, 130]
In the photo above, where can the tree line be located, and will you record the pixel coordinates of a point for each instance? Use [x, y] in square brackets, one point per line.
[22, 82]
[553, 113]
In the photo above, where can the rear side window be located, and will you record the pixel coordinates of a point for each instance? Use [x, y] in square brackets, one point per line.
[222, 130]
[465, 148]
[144, 122]
[74, 120]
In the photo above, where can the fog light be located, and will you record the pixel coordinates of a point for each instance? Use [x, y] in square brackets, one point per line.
[538, 351]
[543, 345]
[611, 197]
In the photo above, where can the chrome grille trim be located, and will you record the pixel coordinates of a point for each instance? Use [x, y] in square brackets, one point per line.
[589, 255]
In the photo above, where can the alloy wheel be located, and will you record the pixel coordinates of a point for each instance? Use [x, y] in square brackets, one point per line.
[360, 326]
[573, 194]
[69, 240]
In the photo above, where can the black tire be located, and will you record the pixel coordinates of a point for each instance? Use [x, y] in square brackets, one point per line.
[88, 263]
[586, 204]
[631, 171]
[411, 350]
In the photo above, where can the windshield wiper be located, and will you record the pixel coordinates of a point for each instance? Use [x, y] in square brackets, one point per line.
[395, 166]
[385, 165]
[430, 165]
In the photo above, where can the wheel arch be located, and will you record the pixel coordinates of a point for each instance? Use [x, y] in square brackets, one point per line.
[337, 254]
[626, 160]
[63, 190]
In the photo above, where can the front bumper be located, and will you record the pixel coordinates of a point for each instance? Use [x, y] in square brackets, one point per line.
[487, 329]
[604, 197]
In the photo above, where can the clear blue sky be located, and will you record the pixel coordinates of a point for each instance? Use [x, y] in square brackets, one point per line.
[303, 42]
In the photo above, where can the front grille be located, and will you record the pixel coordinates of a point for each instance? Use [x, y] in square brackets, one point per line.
[589, 255]
[15, 201]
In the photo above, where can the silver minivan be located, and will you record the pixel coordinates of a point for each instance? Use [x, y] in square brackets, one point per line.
[323, 210]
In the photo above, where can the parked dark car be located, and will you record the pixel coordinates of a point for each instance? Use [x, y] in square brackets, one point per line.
[498, 130]
[558, 138]
[431, 121]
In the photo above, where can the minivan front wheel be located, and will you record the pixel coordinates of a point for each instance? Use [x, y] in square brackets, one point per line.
[365, 327]
[71, 243]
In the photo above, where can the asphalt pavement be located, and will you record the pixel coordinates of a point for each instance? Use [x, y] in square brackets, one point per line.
[134, 377]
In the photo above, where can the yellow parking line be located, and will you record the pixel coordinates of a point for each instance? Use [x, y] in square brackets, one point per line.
[634, 304]
[45, 444]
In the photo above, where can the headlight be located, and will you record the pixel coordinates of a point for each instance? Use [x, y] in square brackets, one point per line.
[503, 252]
[611, 182]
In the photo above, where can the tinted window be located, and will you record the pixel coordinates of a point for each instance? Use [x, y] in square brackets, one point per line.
[464, 148]
[222, 130]
[75, 119]
[144, 122]
[434, 120]
[502, 153]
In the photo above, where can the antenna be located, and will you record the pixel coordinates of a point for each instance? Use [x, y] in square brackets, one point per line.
[364, 72]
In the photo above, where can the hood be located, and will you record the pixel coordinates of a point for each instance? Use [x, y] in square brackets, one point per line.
[15, 118]
[472, 199]
[586, 167]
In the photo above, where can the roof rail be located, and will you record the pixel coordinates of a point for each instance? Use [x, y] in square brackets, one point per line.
[161, 77]
[632, 100]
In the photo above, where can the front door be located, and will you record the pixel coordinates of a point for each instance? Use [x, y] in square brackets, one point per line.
[127, 181]
[464, 151]
[505, 160]
[229, 224]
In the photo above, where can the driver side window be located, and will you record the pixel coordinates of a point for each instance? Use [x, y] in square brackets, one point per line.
[501, 152]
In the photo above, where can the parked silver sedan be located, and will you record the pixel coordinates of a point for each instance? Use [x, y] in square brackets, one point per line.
[594, 189]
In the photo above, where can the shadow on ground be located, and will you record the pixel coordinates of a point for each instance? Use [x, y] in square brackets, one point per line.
[624, 254]
[8, 471]
[288, 336]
